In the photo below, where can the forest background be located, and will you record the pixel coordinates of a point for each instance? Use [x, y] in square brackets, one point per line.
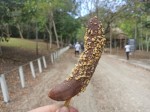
[64, 21]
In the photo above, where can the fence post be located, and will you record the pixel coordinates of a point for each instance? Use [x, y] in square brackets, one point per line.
[4, 88]
[58, 53]
[51, 58]
[32, 69]
[21, 74]
[39, 65]
[44, 62]
[54, 56]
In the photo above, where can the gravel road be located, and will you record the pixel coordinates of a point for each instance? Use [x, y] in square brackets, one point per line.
[115, 87]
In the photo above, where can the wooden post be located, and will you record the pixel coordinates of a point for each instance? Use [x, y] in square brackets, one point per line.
[56, 54]
[32, 69]
[4, 88]
[52, 58]
[39, 65]
[21, 74]
[44, 62]
[110, 38]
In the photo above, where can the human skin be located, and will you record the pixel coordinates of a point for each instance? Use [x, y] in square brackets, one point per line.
[54, 108]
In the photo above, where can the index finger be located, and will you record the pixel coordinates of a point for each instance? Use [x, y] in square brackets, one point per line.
[47, 108]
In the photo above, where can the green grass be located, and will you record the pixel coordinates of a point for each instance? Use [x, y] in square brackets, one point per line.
[24, 44]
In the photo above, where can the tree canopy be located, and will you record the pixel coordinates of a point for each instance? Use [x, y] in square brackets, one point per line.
[19, 18]
[65, 20]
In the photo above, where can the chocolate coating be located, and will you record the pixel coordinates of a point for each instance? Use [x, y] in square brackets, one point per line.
[65, 90]
[83, 71]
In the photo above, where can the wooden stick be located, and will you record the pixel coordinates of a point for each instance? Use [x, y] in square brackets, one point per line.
[67, 102]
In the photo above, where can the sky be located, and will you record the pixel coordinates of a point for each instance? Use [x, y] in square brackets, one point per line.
[112, 4]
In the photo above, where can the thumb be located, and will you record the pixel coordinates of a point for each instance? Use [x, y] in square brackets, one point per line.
[63, 109]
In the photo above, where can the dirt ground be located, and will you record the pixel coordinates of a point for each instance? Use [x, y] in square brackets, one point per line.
[114, 87]
[14, 57]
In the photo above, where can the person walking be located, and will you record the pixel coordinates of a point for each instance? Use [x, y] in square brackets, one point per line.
[77, 48]
[127, 49]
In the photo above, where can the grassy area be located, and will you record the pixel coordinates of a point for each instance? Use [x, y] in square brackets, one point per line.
[17, 52]
[24, 44]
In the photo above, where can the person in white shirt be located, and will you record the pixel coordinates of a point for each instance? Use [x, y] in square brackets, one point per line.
[127, 49]
[77, 48]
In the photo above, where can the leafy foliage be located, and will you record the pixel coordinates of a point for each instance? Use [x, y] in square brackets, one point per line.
[25, 14]
[67, 26]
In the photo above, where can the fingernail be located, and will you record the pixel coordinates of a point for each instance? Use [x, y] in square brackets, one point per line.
[64, 109]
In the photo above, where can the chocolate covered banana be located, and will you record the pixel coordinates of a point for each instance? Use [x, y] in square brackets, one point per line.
[84, 69]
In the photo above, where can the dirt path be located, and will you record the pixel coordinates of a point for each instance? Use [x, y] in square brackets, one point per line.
[115, 87]
[121, 87]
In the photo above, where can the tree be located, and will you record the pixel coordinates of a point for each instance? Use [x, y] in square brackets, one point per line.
[5, 18]
[33, 18]
[65, 6]
[67, 26]
[134, 21]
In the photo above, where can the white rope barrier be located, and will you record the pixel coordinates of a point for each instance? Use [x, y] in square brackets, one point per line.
[53, 57]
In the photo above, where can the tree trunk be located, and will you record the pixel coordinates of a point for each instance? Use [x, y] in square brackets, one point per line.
[50, 36]
[147, 43]
[139, 45]
[28, 31]
[141, 37]
[110, 36]
[69, 41]
[135, 31]
[7, 31]
[36, 35]
[142, 44]
[115, 45]
[1, 53]
[57, 41]
[61, 41]
[20, 32]
[50, 39]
